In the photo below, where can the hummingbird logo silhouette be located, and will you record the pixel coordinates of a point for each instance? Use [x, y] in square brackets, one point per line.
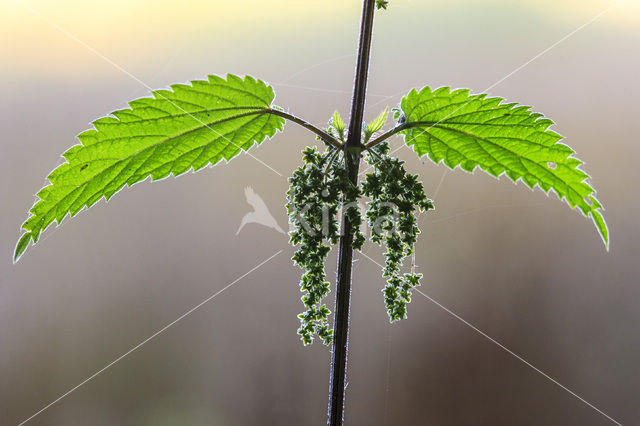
[260, 214]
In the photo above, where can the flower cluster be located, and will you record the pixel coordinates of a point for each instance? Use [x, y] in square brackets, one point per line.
[395, 195]
[316, 193]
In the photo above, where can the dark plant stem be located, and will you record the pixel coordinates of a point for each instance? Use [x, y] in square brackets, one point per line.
[352, 163]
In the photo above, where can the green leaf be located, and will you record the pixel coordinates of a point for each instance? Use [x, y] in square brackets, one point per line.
[185, 128]
[375, 125]
[337, 124]
[500, 138]
[382, 4]
[22, 245]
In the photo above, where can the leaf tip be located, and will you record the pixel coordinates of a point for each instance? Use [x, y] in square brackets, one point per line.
[21, 246]
[601, 226]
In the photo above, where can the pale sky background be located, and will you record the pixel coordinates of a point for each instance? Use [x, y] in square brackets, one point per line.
[143, 24]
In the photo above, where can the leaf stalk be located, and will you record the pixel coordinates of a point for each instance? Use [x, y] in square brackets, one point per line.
[386, 135]
[326, 137]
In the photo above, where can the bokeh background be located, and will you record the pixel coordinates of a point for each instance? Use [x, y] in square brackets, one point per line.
[517, 264]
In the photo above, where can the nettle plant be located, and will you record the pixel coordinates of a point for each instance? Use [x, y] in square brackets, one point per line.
[192, 126]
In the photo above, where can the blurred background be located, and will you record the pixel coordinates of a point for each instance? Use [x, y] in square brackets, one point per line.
[520, 266]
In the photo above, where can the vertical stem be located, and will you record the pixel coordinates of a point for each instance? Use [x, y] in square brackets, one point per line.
[345, 255]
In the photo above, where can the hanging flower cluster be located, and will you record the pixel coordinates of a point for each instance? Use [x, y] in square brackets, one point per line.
[318, 190]
[395, 196]
[314, 197]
